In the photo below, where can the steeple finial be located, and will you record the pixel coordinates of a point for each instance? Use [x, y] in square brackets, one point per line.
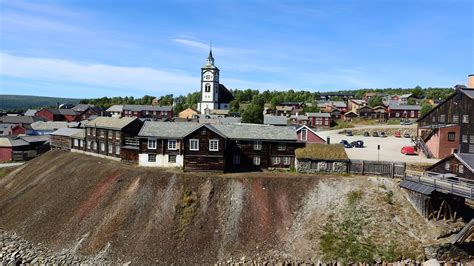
[210, 58]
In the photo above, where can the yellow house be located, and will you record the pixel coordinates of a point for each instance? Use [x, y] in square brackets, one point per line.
[188, 113]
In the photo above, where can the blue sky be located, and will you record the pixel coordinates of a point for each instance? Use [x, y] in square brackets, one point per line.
[117, 48]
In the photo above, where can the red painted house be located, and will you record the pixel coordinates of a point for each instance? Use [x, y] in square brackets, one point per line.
[50, 114]
[404, 111]
[319, 120]
[307, 135]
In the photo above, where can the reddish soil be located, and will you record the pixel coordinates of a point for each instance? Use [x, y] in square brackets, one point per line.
[146, 215]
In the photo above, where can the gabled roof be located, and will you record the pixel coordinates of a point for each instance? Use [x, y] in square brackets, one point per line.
[275, 120]
[110, 122]
[406, 95]
[284, 108]
[167, 130]
[139, 108]
[51, 110]
[20, 119]
[67, 112]
[318, 114]
[30, 112]
[404, 107]
[52, 125]
[467, 159]
[469, 92]
[339, 104]
[358, 101]
[257, 132]
[82, 107]
[115, 108]
[308, 128]
[67, 132]
[12, 142]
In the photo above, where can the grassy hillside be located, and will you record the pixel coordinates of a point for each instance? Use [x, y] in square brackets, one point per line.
[96, 206]
[23, 102]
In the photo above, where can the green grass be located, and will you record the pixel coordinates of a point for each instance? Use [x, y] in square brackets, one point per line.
[322, 151]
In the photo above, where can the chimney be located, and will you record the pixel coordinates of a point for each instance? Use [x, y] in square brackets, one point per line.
[470, 81]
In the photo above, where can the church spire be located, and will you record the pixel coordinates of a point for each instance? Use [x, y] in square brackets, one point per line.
[210, 58]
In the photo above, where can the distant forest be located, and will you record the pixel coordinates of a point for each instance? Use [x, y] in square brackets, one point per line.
[251, 99]
[19, 103]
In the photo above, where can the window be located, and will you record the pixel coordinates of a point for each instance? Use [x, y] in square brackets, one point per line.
[81, 143]
[464, 138]
[465, 118]
[257, 145]
[117, 149]
[102, 133]
[151, 158]
[111, 149]
[94, 131]
[275, 160]
[471, 148]
[102, 146]
[151, 143]
[172, 158]
[256, 160]
[172, 144]
[472, 138]
[88, 131]
[76, 142]
[304, 134]
[451, 136]
[111, 134]
[281, 146]
[397, 114]
[442, 118]
[433, 119]
[214, 145]
[286, 160]
[207, 87]
[455, 119]
[193, 144]
[412, 113]
[117, 135]
[461, 169]
[446, 166]
[94, 146]
[89, 144]
[236, 159]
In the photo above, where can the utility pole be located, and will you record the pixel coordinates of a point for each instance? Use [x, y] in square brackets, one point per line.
[378, 153]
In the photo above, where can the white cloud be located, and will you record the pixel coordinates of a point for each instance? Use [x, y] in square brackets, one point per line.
[196, 44]
[148, 80]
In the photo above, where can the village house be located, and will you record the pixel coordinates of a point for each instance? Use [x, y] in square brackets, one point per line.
[284, 110]
[61, 139]
[87, 111]
[47, 127]
[319, 120]
[350, 115]
[404, 111]
[458, 164]
[449, 127]
[317, 157]
[105, 136]
[142, 111]
[364, 112]
[275, 120]
[299, 119]
[402, 99]
[307, 135]
[22, 148]
[188, 113]
[354, 104]
[24, 121]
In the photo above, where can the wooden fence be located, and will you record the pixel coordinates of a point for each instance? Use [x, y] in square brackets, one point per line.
[381, 168]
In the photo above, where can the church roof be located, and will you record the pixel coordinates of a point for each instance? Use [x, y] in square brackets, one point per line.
[225, 96]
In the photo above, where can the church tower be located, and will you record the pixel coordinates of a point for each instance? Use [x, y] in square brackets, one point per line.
[209, 85]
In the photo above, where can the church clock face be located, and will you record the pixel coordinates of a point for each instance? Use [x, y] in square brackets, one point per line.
[208, 76]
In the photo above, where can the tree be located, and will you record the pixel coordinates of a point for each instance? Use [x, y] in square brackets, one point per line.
[253, 114]
[375, 101]
[425, 108]
[418, 92]
[411, 101]
[311, 109]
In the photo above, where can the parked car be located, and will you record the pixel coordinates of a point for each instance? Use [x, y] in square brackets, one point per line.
[405, 122]
[408, 150]
[366, 134]
[375, 134]
[345, 143]
[397, 134]
[357, 144]
[406, 135]
[349, 133]
[382, 135]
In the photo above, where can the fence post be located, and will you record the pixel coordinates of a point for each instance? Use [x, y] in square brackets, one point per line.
[393, 170]
[362, 167]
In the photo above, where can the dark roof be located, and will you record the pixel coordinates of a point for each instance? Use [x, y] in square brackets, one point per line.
[53, 111]
[67, 132]
[275, 120]
[417, 187]
[82, 107]
[67, 112]
[20, 119]
[111, 122]
[35, 139]
[225, 96]
[257, 132]
[139, 108]
[467, 159]
[318, 114]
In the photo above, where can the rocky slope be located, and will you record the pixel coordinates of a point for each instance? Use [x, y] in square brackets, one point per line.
[96, 208]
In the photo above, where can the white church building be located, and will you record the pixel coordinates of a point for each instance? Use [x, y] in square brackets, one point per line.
[214, 96]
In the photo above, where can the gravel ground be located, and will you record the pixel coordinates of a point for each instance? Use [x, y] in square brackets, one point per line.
[389, 147]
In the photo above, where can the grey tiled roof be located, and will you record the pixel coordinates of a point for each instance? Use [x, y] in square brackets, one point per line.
[115, 108]
[138, 108]
[82, 107]
[469, 92]
[67, 132]
[167, 129]
[340, 104]
[20, 119]
[40, 138]
[30, 112]
[467, 159]
[318, 114]
[275, 120]
[404, 107]
[53, 125]
[110, 122]
[67, 112]
[257, 132]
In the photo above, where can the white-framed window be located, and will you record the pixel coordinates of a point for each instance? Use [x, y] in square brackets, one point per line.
[88, 131]
[76, 142]
[451, 136]
[455, 119]
[151, 143]
[465, 119]
[464, 138]
[471, 148]
[117, 135]
[412, 113]
[110, 134]
[276, 160]
[193, 144]
[81, 143]
[94, 146]
[256, 160]
[257, 145]
[236, 159]
[151, 158]
[89, 144]
[397, 114]
[304, 134]
[286, 160]
[214, 145]
[171, 158]
[447, 166]
[472, 139]
[102, 146]
[102, 133]
[111, 149]
[442, 118]
[172, 144]
[433, 119]
[117, 149]
[94, 131]
[461, 169]
[281, 146]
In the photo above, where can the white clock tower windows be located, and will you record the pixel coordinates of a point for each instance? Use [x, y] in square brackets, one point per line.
[207, 87]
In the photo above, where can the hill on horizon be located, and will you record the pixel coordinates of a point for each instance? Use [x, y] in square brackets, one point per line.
[23, 102]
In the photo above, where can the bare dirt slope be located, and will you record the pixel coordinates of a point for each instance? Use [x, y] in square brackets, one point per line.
[94, 206]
